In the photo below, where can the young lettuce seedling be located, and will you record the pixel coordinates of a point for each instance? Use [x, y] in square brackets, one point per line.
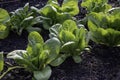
[73, 39]
[53, 13]
[4, 18]
[105, 28]
[23, 19]
[38, 55]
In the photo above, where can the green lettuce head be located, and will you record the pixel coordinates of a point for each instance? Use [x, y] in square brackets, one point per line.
[105, 28]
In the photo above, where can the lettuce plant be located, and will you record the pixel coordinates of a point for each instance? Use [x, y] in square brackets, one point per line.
[105, 28]
[37, 56]
[4, 18]
[96, 5]
[73, 39]
[53, 13]
[23, 19]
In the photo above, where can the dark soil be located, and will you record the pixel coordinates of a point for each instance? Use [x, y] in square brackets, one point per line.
[101, 63]
[13, 42]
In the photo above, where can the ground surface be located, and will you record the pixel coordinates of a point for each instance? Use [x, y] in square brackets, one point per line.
[101, 63]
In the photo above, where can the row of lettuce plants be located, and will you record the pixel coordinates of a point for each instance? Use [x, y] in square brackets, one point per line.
[25, 18]
[68, 36]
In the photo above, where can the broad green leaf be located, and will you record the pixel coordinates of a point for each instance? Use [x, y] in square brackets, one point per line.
[21, 57]
[53, 45]
[69, 25]
[68, 46]
[99, 19]
[55, 29]
[34, 37]
[70, 6]
[77, 59]
[31, 29]
[36, 20]
[80, 33]
[4, 16]
[81, 38]
[59, 60]
[27, 19]
[61, 17]
[92, 26]
[51, 35]
[48, 11]
[43, 58]
[25, 23]
[4, 31]
[43, 74]
[35, 43]
[29, 50]
[47, 22]
[66, 36]
[26, 7]
[16, 54]
[1, 61]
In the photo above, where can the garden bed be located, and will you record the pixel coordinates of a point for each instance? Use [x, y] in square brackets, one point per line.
[100, 63]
